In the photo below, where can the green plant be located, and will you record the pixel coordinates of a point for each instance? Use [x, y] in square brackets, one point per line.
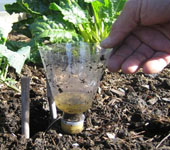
[56, 22]
[68, 20]
[10, 58]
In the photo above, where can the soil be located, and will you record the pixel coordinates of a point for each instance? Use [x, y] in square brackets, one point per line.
[129, 112]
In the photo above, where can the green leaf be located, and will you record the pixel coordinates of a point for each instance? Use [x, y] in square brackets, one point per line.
[89, 1]
[15, 45]
[34, 53]
[5, 29]
[15, 59]
[72, 13]
[14, 8]
[105, 13]
[54, 29]
[2, 39]
[31, 7]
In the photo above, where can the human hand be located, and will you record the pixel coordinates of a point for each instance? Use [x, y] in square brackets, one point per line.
[142, 37]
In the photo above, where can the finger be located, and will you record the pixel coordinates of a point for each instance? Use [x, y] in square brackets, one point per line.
[131, 41]
[164, 29]
[157, 63]
[154, 12]
[154, 38]
[125, 23]
[133, 63]
[119, 56]
[115, 60]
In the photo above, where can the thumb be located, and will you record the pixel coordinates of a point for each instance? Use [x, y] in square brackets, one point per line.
[125, 23]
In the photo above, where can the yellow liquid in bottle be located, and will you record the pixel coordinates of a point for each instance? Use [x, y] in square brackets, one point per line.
[73, 102]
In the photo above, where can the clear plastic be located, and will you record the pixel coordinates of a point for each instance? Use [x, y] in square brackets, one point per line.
[73, 72]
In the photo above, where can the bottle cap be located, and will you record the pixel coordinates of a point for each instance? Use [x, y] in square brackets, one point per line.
[73, 127]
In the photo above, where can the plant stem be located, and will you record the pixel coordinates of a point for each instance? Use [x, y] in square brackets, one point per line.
[11, 86]
[69, 2]
[6, 71]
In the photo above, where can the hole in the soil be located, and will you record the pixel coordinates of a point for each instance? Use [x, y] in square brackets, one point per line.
[156, 128]
[121, 134]
[151, 128]
[136, 117]
[39, 117]
[32, 94]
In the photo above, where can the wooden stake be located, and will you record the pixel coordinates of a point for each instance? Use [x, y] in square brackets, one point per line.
[25, 106]
[52, 105]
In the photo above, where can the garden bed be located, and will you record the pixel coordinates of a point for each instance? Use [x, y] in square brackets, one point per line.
[129, 112]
